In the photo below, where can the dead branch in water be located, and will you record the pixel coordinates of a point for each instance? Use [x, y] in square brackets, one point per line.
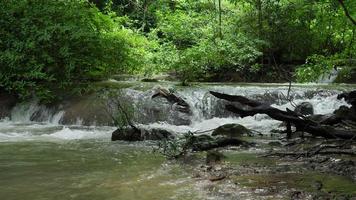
[251, 107]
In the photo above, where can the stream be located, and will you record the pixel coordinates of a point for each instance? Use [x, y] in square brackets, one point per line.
[45, 155]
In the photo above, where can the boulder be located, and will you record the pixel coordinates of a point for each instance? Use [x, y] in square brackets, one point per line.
[346, 113]
[126, 134]
[231, 130]
[131, 134]
[350, 97]
[304, 108]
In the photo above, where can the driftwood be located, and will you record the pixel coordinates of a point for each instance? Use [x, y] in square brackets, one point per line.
[172, 98]
[251, 107]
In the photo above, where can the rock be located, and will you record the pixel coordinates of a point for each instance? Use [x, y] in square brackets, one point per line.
[7, 102]
[217, 178]
[214, 157]
[130, 134]
[350, 97]
[304, 108]
[156, 134]
[343, 113]
[126, 134]
[205, 142]
[231, 130]
[149, 80]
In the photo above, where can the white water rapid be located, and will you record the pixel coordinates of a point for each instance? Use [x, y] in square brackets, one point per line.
[31, 121]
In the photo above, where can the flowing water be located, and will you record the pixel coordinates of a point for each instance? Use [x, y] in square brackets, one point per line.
[42, 158]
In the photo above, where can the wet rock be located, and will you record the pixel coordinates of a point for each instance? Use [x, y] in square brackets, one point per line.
[7, 102]
[217, 177]
[231, 130]
[214, 157]
[126, 134]
[304, 108]
[268, 97]
[206, 142]
[131, 134]
[156, 134]
[350, 97]
[149, 80]
[345, 112]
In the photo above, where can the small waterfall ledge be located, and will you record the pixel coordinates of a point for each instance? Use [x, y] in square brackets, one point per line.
[207, 111]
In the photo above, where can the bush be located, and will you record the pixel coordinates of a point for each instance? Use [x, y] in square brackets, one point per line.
[47, 46]
[315, 67]
[192, 47]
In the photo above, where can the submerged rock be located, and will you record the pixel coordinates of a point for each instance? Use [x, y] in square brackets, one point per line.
[213, 157]
[131, 134]
[231, 130]
[206, 142]
[304, 108]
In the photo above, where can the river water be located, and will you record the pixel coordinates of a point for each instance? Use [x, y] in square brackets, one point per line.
[46, 159]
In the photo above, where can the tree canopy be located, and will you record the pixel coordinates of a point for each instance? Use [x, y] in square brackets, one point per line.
[47, 46]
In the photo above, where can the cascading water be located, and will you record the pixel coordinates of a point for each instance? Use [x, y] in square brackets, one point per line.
[329, 77]
[207, 113]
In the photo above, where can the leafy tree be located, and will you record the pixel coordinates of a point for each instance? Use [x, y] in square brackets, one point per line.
[47, 46]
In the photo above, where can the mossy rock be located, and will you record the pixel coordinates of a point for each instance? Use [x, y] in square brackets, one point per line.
[214, 156]
[232, 130]
[304, 108]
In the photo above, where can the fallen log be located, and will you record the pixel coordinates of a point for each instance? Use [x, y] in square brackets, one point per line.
[172, 98]
[251, 107]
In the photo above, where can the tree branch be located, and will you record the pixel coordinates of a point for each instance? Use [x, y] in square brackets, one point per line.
[346, 12]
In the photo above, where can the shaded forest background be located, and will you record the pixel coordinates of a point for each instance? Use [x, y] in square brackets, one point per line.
[51, 46]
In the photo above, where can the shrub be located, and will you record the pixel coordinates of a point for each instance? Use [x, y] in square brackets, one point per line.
[47, 46]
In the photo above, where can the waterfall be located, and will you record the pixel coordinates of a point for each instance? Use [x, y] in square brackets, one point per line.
[31, 120]
[329, 77]
[33, 111]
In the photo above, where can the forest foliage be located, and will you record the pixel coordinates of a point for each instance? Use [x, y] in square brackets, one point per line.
[48, 46]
